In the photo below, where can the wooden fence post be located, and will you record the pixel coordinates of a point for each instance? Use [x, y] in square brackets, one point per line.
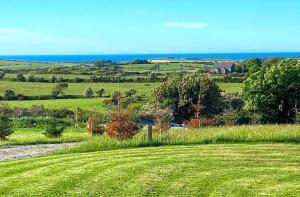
[149, 133]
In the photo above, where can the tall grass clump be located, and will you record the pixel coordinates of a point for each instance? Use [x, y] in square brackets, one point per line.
[211, 135]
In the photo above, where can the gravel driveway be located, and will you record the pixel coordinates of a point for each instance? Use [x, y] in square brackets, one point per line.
[16, 152]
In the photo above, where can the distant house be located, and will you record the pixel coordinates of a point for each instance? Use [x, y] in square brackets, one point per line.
[222, 67]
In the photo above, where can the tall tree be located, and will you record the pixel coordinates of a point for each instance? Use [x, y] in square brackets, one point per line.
[274, 91]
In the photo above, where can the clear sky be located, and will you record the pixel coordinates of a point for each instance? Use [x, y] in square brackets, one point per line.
[148, 26]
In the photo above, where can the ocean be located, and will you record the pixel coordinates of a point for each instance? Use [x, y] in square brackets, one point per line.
[128, 57]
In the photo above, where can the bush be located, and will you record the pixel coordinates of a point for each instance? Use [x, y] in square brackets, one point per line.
[2, 74]
[9, 95]
[53, 129]
[122, 127]
[5, 127]
[88, 93]
[199, 122]
[20, 77]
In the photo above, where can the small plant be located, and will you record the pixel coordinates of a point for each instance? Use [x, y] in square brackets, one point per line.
[122, 127]
[162, 118]
[5, 127]
[53, 129]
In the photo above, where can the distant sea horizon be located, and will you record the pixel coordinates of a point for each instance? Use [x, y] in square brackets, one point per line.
[128, 57]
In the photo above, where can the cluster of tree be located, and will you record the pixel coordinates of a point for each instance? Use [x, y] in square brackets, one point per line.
[271, 95]
[103, 63]
[89, 93]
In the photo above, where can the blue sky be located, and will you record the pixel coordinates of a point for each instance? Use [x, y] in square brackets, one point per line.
[148, 26]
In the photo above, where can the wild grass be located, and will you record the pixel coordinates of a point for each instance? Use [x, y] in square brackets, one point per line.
[218, 135]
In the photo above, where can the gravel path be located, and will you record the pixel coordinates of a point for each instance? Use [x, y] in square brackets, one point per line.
[16, 152]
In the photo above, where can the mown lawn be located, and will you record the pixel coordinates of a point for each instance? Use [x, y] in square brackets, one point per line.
[36, 136]
[206, 170]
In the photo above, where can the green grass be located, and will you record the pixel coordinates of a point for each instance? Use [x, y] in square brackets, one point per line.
[16, 65]
[231, 87]
[207, 170]
[35, 136]
[72, 104]
[34, 89]
[214, 135]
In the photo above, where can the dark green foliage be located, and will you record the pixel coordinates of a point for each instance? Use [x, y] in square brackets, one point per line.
[274, 92]
[5, 127]
[59, 89]
[9, 95]
[31, 78]
[253, 65]
[88, 93]
[20, 77]
[38, 122]
[100, 92]
[2, 74]
[53, 129]
[180, 92]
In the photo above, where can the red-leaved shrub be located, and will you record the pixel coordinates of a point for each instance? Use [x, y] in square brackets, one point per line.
[122, 127]
[199, 122]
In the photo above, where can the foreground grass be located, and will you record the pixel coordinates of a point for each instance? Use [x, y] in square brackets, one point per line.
[35, 136]
[207, 170]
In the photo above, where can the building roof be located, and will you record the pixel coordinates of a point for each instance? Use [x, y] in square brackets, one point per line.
[222, 65]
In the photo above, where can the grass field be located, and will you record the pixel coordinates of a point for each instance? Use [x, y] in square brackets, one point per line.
[207, 170]
[33, 89]
[16, 65]
[36, 136]
[94, 104]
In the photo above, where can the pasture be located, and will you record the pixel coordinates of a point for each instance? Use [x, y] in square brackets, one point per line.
[205, 170]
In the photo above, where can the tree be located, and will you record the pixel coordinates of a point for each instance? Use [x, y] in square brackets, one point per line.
[274, 92]
[52, 79]
[180, 92]
[9, 95]
[20, 77]
[152, 77]
[100, 92]
[88, 93]
[253, 65]
[130, 93]
[31, 78]
[2, 74]
[6, 128]
[59, 89]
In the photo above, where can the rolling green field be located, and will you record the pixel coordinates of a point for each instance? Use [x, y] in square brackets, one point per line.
[16, 65]
[34, 89]
[207, 170]
[94, 104]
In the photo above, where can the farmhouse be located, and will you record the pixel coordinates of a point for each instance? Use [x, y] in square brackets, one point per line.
[222, 67]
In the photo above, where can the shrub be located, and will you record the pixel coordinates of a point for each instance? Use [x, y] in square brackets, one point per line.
[53, 129]
[100, 92]
[59, 89]
[199, 122]
[122, 127]
[9, 95]
[5, 127]
[20, 77]
[2, 74]
[88, 93]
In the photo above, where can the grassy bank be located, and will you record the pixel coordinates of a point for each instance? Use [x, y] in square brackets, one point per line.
[207, 170]
[214, 135]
